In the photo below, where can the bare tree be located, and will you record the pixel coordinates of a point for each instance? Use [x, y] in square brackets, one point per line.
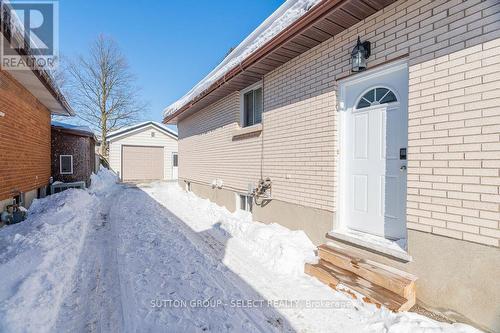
[101, 89]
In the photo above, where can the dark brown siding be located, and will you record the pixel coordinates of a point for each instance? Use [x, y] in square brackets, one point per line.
[83, 151]
[24, 139]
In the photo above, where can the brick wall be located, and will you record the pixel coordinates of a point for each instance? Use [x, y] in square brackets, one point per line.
[207, 150]
[454, 139]
[24, 139]
[453, 118]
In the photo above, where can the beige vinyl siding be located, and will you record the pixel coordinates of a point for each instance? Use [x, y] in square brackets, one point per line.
[142, 137]
[452, 49]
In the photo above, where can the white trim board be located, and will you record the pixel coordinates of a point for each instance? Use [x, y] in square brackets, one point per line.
[60, 165]
[137, 129]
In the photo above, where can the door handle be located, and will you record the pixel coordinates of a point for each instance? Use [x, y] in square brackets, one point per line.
[402, 168]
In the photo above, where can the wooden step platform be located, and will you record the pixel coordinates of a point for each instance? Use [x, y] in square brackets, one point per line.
[378, 283]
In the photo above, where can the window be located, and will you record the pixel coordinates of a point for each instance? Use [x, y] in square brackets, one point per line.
[66, 164]
[153, 134]
[376, 96]
[252, 106]
[19, 199]
[175, 159]
[41, 192]
[246, 202]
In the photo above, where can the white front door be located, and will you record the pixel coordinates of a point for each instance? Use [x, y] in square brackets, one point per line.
[175, 165]
[374, 135]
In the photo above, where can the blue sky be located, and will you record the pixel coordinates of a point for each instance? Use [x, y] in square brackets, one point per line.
[170, 45]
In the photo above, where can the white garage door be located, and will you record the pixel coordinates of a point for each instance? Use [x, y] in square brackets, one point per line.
[142, 163]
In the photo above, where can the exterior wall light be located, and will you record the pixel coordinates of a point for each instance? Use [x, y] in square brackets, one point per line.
[359, 54]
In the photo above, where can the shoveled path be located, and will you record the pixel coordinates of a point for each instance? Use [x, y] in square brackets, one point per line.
[142, 270]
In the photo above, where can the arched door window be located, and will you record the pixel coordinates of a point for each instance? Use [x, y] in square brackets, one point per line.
[376, 96]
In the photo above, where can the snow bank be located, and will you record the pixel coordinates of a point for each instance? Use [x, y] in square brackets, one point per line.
[37, 259]
[270, 259]
[283, 17]
[39, 256]
[281, 250]
[103, 180]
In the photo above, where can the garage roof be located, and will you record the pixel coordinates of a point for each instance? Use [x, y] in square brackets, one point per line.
[125, 130]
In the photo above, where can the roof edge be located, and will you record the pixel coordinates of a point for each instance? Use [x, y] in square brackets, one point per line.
[160, 126]
[314, 14]
[40, 73]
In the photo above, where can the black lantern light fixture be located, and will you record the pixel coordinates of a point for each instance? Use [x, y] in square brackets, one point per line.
[359, 54]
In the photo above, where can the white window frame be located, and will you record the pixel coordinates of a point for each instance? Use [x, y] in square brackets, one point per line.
[254, 86]
[60, 165]
[246, 198]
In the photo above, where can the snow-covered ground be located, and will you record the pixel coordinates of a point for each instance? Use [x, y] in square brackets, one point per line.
[153, 258]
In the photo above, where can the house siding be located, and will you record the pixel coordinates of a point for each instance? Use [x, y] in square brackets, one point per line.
[24, 139]
[83, 150]
[452, 49]
[142, 137]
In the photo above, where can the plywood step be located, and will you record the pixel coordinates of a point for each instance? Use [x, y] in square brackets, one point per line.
[379, 284]
[397, 281]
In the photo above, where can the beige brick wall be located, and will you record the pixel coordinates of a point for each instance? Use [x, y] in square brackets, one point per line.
[207, 150]
[454, 134]
[454, 120]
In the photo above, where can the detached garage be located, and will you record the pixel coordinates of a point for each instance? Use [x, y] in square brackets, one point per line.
[144, 152]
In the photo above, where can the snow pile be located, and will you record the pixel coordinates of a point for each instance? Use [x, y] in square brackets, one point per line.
[283, 17]
[155, 258]
[263, 259]
[103, 180]
[37, 259]
[281, 250]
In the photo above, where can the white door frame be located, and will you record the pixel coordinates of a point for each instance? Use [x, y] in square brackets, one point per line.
[340, 219]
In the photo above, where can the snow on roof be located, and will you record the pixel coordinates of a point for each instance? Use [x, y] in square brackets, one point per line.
[283, 17]
[79, 128]
[15, 36]
[139, 125]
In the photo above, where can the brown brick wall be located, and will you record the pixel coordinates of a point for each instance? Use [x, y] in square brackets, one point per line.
[24, 139]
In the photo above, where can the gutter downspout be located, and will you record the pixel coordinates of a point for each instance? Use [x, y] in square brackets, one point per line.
[262, 132]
